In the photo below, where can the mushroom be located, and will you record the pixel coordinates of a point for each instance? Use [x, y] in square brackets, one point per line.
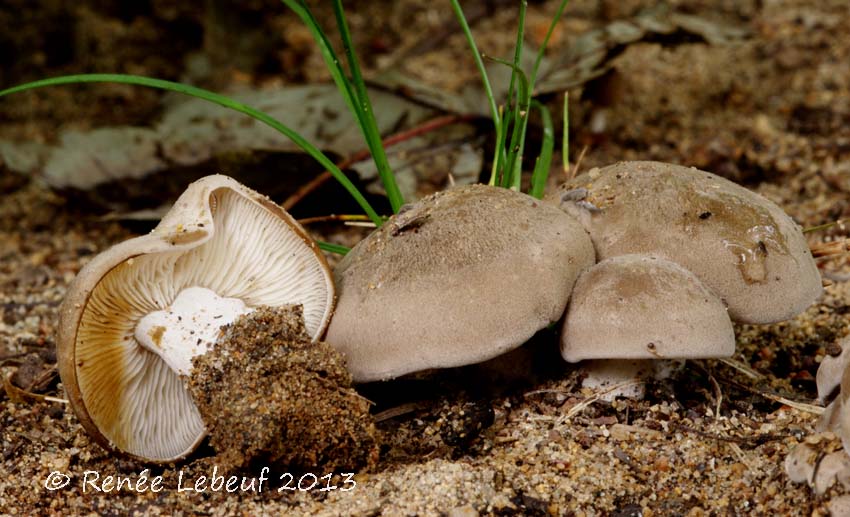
[644, 307]
[743, 247]
[137, 313]
[629, 309]
[833, 382]
[457, 278]
[820, 462]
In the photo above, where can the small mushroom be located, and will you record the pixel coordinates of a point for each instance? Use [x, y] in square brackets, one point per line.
[644, 307]
[137, 313]
[459, 277]
[833, 382]
[628, 311]
[742, 246]
[820, 462]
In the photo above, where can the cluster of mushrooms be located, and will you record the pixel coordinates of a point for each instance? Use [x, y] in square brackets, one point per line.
[639, 260]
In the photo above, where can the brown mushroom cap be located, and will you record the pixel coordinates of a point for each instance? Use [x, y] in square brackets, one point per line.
[220, 236]
[461, 276]
[742, 246]
[642, 307]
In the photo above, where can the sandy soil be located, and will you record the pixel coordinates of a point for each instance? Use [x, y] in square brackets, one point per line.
[514, 437]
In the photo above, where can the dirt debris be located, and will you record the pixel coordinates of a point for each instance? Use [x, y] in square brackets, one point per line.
[269, 395]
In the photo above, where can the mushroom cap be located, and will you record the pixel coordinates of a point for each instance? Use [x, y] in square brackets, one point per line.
[643, 307]
[219, 235]
[459, 277]
[742, 246]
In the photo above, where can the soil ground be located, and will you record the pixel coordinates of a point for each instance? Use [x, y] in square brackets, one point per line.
[770, 109]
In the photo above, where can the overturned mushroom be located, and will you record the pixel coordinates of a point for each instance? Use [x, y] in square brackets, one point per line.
[460, 277]
[137, 313]
[741, 246]
[637, 307]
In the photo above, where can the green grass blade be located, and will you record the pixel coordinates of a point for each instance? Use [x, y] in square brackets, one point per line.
[215, 98]
[366, 113]
[513, 169]
[501, 156]
[331, 60]
[542, 49]
[544, 160]
[565, 140]
[510, 177]
[520, 36]
[332, 248]
[516, 173]
[488, 90]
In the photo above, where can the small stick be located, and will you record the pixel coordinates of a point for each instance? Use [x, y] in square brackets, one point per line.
[391, 140]
[574, 172]
[17, 394]
[830, 249]
[400, 410]
[741, 367]
[333, 217]
[581, 406]
[801, 406]
[824, 226]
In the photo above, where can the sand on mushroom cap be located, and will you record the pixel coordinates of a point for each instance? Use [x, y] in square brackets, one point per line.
[457, 278]
[742, 246]
[221, 237]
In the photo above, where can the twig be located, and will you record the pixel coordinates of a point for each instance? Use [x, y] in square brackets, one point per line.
[753, 441]
[581, 406]
[830, 249]
[825, 226]
[574, 172]
[333, 217]
[17, 394]
[391, 140]
[801, 406]
[718, 394]
[742, 368]
[400, 410]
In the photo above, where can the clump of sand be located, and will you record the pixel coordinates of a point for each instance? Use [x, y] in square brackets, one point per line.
[268, 394]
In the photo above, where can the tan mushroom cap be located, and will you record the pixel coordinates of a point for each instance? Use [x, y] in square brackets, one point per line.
[642, 307]
[460, 277]
[220, 236]
[742, 246]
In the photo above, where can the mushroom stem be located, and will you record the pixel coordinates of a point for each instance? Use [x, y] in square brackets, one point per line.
[630, 374]
[189, 327]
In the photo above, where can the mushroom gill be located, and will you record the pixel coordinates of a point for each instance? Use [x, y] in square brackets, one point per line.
[220, 237]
